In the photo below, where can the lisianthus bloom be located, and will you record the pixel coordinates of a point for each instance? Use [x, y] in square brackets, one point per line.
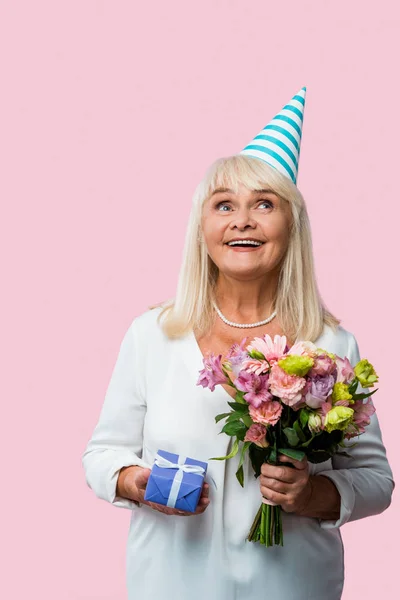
[323, 365]
[295, 364]
[257, 433]
[268, 413]
[317, 418]
[341, 395]
[267, 349]
[320, 388]
[255, 386]
[365, 373]
[212, 374]
[338, 418]
[286, 387]
[345, 372]
[315, 422]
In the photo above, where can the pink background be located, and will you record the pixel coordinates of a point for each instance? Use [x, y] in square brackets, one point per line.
[110, 114]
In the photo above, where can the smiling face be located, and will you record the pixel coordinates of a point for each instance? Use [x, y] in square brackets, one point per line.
[260, 217]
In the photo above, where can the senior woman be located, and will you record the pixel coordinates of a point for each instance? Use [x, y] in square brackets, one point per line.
[247, 261]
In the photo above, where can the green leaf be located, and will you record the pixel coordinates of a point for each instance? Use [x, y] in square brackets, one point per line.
[235, 428]
[291, 453]
[353, 386]
[233, 452]
[239, 472]
[238, 407]
[247, 420]
[291, 436]
[234, 416]
[239, 398]
[299, 431]
[304, 415]
[222, 416]
[240, 475]
[308, 442]
[361, 396]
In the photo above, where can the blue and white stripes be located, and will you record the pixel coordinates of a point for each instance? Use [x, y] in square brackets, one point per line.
[278, 144]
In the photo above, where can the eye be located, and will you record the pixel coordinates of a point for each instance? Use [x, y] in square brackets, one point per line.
[267, 202]
[222, 205]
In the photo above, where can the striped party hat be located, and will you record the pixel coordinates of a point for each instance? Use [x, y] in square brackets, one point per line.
[278, 144]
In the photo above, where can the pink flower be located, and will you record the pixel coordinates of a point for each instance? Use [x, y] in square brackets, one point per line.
[362, 413]
[271, 350]
[302, 348]
[345, 372]
[286, 387]
[235, 357]
[323, 365]
[257, 434]
[268, 413]
[255, 386]
[252, 365]
[212, 374]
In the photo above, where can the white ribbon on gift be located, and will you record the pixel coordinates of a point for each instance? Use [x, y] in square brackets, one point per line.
[164, 463]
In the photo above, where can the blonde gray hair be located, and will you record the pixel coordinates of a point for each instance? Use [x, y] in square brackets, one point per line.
[300, 308]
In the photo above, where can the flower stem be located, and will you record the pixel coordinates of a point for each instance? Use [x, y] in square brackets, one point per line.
[256, 524]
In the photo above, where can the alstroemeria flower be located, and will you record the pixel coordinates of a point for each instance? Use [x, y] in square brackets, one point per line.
[212, 374]
[255, 386]
[235, 357]
[345, 372]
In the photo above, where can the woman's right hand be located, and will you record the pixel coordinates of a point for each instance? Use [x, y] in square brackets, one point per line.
[132, 482]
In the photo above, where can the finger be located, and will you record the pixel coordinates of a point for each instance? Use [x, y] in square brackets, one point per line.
[298, 464]
[286, 474]
[273, 496]
[205, 492]
[142, 478]
[274, 485]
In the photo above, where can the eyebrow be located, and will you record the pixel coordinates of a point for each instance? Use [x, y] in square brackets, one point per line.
[262, 191]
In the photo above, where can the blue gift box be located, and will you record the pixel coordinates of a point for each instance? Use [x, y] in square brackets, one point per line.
[176, 481]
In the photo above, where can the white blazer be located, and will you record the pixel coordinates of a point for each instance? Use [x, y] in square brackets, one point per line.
[152, 402]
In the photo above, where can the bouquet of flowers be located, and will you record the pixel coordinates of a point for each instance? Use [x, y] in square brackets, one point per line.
[299, 401]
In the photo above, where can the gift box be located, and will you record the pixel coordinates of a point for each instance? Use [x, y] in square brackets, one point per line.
[176, 481]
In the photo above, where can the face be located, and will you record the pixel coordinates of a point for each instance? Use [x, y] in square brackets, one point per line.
[261, 218]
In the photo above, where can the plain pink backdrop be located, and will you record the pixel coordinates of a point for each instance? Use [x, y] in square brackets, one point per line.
[110, 114]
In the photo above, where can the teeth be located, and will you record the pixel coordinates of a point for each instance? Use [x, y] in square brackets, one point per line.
[244, 243]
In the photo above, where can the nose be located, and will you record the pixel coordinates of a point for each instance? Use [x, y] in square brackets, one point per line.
[242, 220]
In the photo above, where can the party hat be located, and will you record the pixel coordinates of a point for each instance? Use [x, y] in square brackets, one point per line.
[278, 144]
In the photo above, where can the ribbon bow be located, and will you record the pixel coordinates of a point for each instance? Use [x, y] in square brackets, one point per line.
[181, 467]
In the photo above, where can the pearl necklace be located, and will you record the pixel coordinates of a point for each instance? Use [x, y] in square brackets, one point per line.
[243, 325]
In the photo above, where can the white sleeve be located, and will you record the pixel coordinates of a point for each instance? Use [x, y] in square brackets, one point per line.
[117, 438]
[364, 481]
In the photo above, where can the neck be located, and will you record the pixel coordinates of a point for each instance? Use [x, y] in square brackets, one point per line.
[246, 301]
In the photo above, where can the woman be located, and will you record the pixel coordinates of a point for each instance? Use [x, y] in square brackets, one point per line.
[247, 257]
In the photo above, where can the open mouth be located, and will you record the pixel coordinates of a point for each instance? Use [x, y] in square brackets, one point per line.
[244, 243]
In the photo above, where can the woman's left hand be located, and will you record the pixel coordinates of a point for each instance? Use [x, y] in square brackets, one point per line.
[288, 487]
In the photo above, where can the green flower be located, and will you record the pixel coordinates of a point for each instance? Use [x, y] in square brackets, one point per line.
[295, 364]
[341, 392]
[365, 373]
[338, 418]
[330, 354]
